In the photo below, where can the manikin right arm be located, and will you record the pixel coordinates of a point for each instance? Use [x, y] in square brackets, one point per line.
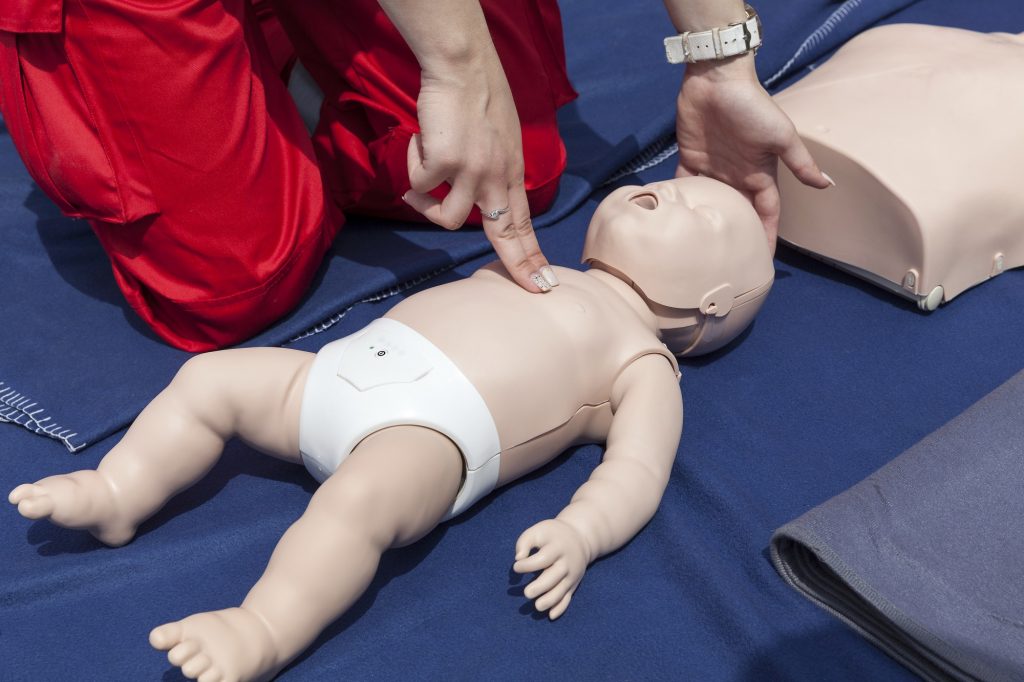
[622, 493]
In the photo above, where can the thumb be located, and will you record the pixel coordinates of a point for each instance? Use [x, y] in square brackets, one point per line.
[799, 160]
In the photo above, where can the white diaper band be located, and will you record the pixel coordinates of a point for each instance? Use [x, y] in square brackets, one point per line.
[390, 375]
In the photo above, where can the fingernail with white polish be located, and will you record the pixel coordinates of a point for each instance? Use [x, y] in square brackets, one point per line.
[549, 274]
[829, 178]
[405, 197]
[541, 283]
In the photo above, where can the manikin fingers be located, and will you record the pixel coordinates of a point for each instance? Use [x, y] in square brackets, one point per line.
[561, 606]
[546, 580]
[526, 543]
[196, 666]
[534, 537]
[183, 652]
[38, 506]
[211, 675]
[165, 636]
[553, 596]
[21, 492]
[536, 562]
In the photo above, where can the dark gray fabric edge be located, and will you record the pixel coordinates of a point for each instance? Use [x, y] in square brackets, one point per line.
[847, 588]
[846, 596]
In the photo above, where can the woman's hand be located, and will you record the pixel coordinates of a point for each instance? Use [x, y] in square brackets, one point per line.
[469, 132]
[730, 129]
[470, 138]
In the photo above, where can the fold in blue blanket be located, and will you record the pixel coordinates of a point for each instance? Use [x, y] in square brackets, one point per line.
[77, 364]
[924, 557]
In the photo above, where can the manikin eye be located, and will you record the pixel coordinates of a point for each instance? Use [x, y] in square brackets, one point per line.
[645, 200]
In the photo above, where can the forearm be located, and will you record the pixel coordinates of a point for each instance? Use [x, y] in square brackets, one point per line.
[619, 498]
[700, 15]
[624, 491]
[443, 34]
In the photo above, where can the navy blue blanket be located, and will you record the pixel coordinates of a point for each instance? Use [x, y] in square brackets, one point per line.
[77, 364]
[833, 380]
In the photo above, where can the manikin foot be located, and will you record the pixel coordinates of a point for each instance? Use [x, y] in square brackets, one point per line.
[81, 500]
[233, 645]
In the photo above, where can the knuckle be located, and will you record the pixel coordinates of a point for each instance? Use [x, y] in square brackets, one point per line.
[523, 226]
[476, 167]
[507, 232]
[444, 159]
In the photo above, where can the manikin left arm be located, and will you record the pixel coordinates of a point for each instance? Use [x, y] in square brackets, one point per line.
[622, 493]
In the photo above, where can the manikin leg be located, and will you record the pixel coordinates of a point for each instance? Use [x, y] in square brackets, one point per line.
[254, 393]
[393, 489]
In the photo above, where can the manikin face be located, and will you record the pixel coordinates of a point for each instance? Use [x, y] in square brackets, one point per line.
[690, 204]
[692, 246]
[680, 239]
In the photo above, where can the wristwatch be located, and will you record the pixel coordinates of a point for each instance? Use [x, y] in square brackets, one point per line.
[716, 43]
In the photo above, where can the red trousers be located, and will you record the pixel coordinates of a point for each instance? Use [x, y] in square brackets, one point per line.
[167, 125]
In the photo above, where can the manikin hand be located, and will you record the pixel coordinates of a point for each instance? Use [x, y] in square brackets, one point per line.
[470, 138]
[730, 129]
[561, 557]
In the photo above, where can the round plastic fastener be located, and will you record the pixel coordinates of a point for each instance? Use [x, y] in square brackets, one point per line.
[718, 301]
[932, 300]
[998, 263]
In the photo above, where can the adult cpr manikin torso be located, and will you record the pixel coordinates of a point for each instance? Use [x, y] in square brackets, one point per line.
[920, 126]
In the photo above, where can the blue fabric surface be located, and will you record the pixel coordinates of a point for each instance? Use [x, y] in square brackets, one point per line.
[833, 380]
[77, 363]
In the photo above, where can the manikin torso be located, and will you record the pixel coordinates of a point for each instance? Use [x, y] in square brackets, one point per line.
[920, 126]
[544, 365]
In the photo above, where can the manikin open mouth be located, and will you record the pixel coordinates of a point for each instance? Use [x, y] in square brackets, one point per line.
[647, 200]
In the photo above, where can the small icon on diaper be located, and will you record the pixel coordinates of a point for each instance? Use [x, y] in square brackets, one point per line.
[379, 361]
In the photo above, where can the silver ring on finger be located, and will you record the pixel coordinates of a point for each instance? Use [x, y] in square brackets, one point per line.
[493, 215]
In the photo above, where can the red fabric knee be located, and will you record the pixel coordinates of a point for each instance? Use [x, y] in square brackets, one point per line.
[371, 80]
[167, 127]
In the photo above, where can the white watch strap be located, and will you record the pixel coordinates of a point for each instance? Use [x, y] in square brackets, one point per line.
[716, 43]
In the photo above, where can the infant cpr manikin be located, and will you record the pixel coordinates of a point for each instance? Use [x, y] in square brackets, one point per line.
[457, 390]
[920, 127]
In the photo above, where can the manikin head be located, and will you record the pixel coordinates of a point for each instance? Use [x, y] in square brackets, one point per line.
[695, 251]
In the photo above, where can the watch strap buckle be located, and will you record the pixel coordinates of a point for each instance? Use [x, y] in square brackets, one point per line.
[717, 43]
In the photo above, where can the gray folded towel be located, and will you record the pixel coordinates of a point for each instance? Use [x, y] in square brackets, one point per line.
[925, 557]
